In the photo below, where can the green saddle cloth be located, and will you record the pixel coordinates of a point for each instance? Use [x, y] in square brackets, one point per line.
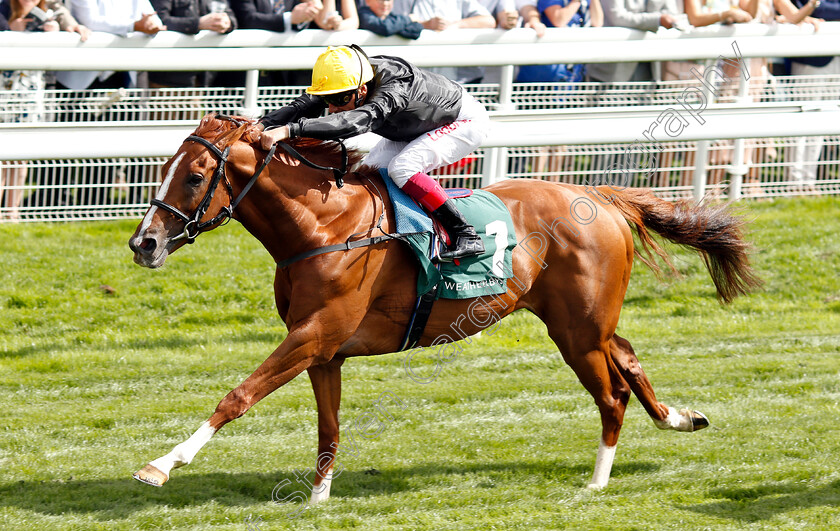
[476, 276]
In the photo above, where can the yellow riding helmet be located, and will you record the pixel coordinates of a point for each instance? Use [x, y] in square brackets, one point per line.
[338, 70]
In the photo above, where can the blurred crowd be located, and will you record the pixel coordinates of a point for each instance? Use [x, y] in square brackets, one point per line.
[405, 18]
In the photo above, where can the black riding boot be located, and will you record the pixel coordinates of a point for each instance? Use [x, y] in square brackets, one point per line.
[465, 242]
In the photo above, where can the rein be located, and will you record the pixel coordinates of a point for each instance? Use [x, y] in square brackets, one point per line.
[338, 173]
[194, 226]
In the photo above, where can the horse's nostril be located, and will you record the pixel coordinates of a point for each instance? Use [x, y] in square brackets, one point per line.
[148, 245]
[145, 246]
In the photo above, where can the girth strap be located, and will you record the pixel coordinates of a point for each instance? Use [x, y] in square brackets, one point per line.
[346, 246]
[419, 318]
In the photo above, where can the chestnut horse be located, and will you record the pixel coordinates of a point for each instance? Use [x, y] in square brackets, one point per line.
[572, 272]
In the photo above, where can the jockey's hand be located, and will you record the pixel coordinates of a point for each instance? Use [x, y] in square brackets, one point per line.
[272, 136]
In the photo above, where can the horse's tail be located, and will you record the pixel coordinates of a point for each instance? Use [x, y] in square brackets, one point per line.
[713, 231]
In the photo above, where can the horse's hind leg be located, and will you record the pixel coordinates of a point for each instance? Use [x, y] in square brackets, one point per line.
[326, 383]
[666, 418]
[591, 361]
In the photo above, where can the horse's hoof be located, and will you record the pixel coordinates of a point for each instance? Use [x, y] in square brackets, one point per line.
[698, 420]
[682, 420]
[595, 486]
[151, 476]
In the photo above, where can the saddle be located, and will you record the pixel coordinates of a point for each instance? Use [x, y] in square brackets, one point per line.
[469, 277]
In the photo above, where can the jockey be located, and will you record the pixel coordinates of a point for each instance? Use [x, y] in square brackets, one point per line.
[426, 121]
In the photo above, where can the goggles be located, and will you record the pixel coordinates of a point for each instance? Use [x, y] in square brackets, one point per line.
[341, 99]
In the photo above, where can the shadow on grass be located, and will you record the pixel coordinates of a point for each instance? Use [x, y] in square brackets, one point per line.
[116, 499]
[766, 501]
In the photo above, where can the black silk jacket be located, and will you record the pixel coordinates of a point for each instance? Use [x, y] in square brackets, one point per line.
[405, 102]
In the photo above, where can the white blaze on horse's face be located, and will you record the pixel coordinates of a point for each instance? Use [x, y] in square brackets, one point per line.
[162, 191]
[148, 250]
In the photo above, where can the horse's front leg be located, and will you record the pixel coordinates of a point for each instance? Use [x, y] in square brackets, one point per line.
[326, 383]
[301, 349]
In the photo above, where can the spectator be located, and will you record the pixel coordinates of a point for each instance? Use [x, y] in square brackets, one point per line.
[705, 14]
[531, 16]
[507, 17]
[558, 14]
[23, 90]
[338, 16]
[745, 11]
[645, 15]
[191, 16]
[720, 11]
[505, 12]
[759, 78]
[376, 16]
[273, 15]
[440, 15]
[803, 11]
[119, 17]
[806, 152]
[702, 13]
[60, 14]
[309, 23]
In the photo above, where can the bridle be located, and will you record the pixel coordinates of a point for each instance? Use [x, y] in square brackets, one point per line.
[193, 224]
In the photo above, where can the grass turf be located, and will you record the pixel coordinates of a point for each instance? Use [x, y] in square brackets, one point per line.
[105, 366]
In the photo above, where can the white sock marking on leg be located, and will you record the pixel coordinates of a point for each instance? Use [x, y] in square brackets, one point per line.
[603, 466]
[675, 421]
[322, 491]
[185, 452]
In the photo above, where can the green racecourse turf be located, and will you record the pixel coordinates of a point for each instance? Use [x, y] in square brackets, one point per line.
[94, 384]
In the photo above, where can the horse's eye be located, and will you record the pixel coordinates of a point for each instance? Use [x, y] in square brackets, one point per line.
[195, 180]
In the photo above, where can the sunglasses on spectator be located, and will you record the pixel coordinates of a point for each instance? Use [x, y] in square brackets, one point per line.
[341, 99]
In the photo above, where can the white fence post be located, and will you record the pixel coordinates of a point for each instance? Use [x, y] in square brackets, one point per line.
[495, 159]
[252, 87]
[739, 166]
[701, 157]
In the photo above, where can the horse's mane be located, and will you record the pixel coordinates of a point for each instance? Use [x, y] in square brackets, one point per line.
[228, 129]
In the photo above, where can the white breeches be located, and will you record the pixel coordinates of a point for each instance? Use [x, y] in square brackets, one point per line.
[447, 144]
